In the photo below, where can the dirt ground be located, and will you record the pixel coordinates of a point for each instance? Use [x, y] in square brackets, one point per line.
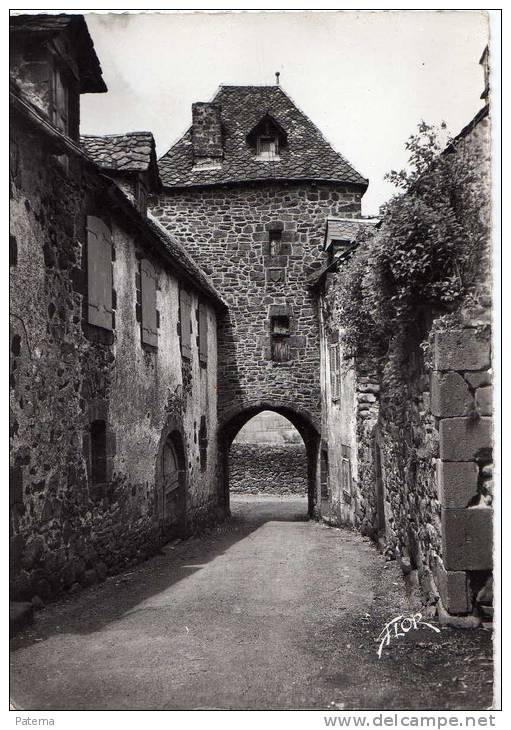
[268, 611]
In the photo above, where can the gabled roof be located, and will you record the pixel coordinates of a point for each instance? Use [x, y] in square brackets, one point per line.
[346, 229]
[124, 153]
[47, 26]
[307, 155]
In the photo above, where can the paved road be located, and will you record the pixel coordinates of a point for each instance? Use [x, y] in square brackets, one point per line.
[269, 611]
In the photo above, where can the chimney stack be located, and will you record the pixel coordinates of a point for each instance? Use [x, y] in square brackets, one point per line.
[207, 140]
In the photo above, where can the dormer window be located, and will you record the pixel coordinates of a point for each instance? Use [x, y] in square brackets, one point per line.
[267, 139]
[267, 148]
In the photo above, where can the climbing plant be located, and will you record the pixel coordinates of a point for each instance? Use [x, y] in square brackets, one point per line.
[425, 252]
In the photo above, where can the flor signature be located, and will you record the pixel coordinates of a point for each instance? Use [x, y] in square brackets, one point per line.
[400, 626]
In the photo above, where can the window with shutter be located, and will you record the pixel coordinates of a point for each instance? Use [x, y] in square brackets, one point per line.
[280, 333]
[60, 102]
[185, 321]
[335, 371]
[338, 371]
[203, 334]
[149, 316]
[346, 472]
[99, 273]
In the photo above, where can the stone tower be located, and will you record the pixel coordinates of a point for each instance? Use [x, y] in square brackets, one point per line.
[248, 189]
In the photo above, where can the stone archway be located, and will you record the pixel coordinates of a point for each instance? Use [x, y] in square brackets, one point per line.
[234, 419]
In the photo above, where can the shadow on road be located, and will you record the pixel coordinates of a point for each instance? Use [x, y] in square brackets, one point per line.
[94, 608]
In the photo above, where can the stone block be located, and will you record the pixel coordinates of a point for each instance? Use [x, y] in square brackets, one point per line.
[453, 588]
[478, 379]
[279, 310]
[463, 439]
[276, 275]
[450, 395]
[484, 400]
[467, 538]
[467, 349]
[457, 483]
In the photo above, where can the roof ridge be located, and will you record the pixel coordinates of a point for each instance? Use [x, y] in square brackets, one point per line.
[118, 134]
[321, 133]
[249, 86]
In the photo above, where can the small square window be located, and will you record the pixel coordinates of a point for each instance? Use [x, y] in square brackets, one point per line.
[280, 325]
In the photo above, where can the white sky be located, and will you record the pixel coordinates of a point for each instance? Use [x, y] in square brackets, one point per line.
[364, 78]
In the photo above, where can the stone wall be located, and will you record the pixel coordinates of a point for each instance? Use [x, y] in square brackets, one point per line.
[227, 229]
[268, 469]
[65, 374]
[423, 464]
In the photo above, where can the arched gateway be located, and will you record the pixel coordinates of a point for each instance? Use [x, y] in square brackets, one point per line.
[236, 418]
[249, 188]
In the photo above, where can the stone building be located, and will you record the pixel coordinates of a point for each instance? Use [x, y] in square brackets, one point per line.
[113, 375]
[248, 189]
[142, 342]
[422, 487]
[338, 458]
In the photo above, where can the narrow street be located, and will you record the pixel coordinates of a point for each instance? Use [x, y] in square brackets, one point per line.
[269, 611]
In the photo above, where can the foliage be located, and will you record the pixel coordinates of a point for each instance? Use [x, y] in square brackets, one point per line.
[424, 256]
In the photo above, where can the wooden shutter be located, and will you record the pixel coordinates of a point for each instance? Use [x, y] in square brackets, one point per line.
[61, 102]
[186, 324]
[203, 333]
[337, 371]
[333, 372]
[99, 273]
[148, 287]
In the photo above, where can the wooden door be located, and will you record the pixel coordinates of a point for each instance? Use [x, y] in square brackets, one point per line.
[172, 492]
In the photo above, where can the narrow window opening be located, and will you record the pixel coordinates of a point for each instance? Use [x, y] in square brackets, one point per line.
[98, 451]
[275, 241]
[203, 443]
[324, 474]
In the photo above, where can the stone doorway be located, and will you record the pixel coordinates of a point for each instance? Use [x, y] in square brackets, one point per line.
[172, 502]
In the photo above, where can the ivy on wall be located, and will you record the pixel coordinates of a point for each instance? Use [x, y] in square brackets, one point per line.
[425, 258]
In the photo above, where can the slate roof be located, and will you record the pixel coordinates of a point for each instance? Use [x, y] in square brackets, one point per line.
[345, 229]
[125, 153]
[307, 155]
[130, 152]
[47, 26]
